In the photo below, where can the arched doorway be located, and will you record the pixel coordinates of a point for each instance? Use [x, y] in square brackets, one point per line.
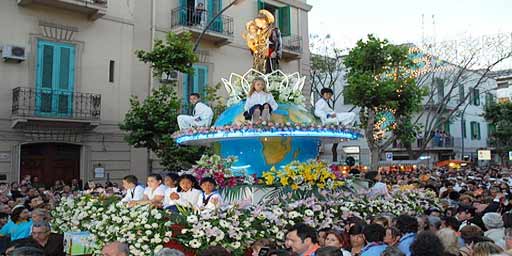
[51, 162]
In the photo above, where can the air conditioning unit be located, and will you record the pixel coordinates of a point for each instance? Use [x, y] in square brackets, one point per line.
[169, 76]
[16, 53]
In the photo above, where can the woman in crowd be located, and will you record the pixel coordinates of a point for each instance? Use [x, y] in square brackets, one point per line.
[19, 226]
[357, 241]
[187, 194]
[154, 193]
[335, 239]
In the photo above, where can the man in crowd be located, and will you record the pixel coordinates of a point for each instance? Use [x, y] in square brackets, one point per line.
[408, 227]
[374, 235]
[42, 238]
[302, 239]
[116, 249]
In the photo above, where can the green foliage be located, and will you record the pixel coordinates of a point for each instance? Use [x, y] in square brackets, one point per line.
[216, 102]
[175, 54]
[379, 79]
[500, 116]
[151, 123]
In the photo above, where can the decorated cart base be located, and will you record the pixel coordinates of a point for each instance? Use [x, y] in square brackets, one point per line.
[234, 226]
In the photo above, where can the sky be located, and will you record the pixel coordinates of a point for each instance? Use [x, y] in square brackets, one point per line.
[400, 20]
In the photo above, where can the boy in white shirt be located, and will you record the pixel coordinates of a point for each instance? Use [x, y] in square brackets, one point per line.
[202, 115]
[327, 114]
[210, 199]
[134, 191]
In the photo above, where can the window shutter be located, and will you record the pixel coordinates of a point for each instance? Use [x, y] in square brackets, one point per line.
[185, 93]
[201, 79]
[478, 130]
[476, 97]
[472, 130]
[461, 93]
[261, 5]
[285, 21]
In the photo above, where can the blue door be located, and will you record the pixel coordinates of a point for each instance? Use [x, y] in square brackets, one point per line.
[55, 79]
[214, 7]
[198, 85]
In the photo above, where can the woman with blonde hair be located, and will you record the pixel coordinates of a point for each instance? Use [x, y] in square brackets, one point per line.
[486, 249]
[449, 239]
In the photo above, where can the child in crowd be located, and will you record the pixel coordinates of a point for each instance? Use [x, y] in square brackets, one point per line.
[260, 103]
[186, 194]
[210, 199]
[154, 193]
[170, 180]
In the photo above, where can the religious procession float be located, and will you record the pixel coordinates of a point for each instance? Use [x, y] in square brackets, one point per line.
[266, 170]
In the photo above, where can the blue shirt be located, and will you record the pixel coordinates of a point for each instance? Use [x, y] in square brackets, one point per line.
[373, 249]
[17, 231]
[405, 243]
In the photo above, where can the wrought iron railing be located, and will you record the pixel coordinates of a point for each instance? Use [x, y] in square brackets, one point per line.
[199, 18]
[435, 142]
[292, 43]
[51, 103]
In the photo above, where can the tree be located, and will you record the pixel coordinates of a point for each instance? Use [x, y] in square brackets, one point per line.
[453, 72]
[175, 54]
[379, 81]
[500, 117]
[326, 68]
[151, 123]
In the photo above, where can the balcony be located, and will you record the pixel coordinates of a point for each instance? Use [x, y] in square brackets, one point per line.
[194, 21]
[94, 9]
[47, 106]
[437, 143]
[292, 47]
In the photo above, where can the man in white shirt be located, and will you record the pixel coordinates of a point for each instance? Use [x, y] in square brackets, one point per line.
[134, 192]
[327, 114]
[202, 115]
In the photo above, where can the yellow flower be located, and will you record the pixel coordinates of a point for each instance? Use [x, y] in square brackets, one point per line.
[284, 181]
[321, 185]
[294, 186]
[269, 178]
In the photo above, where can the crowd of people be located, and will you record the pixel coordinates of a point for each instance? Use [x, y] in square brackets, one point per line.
[474, 217]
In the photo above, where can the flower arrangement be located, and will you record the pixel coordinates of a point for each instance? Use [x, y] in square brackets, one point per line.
[285, 88]
[107, 219]
[235, 227]
[266, 127]
[304, 176]
[219, 169]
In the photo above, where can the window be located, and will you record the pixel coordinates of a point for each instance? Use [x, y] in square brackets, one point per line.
[491, 130]
[199, 82]
[475, 131]
[440, 90]
[489, 99]
[475, 96]
[55, 78]
[111, 68]
[282, 15]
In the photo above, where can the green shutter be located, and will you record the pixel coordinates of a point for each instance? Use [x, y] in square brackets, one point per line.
[461, 93]
[285, 21]
[261, 5]
[478, 130]
[472, 130]
[476, 97]
[491, 130]
[200, 79]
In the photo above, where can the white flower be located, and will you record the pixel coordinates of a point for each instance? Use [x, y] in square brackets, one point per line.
[194, 243]
[309, 212]
[192, 219]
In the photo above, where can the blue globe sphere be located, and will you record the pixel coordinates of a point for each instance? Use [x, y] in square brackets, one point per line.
[259, 154]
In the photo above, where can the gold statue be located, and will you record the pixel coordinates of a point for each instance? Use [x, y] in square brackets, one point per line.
[264, 41]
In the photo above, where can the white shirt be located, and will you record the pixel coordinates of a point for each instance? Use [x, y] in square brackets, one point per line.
[260, 98]
[134, 194]
[379, 189]
[202, 112]
[167, 198]
[159, 191]
[322, 109]
[214, 196]
[189, 198]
